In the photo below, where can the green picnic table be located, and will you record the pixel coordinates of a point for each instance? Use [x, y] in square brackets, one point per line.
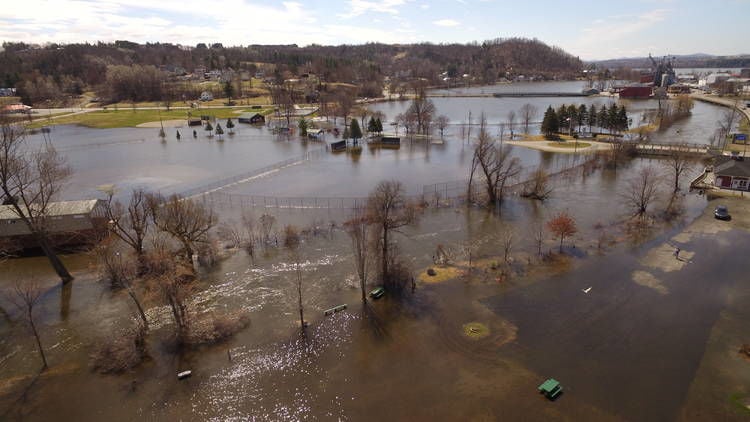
[551, 388]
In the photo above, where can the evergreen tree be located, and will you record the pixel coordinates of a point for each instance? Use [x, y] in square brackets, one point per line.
[593, 116]
[614, 125]
[210, 129]
[178, 135]
[302, 127]
[372, 125]
[573, 116]
[562, 117]
[355, 130]
[622, 119]
[219, 130]
[550, 122]
[602, 118]
[378, 125]
[230, 125]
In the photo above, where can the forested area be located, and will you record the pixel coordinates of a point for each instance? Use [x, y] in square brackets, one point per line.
[54, 72]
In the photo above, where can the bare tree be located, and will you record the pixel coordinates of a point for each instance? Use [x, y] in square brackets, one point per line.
[442, 122]
[30, 180]
[511, 122]
[186, 220]
[292, 243]
[538, 187]
[508, 241]
[267, 221]
[727, 122]
[176, 292]
[528, 113]
[642, 190]
[389, 211]
[421, 110]
[537, 231]
[283, 97]
[357, 227]
[130, 224]
[495, 162]
[121, 272]
[248, 225]
[25, 297]
[678, 162]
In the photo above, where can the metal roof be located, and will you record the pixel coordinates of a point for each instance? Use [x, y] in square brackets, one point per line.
[55, 209]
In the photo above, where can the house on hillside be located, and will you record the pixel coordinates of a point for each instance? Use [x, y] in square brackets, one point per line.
[206, 96]
[732, 173]
[252, 118]
[68, 223]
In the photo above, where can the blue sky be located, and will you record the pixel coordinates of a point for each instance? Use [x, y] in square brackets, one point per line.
[589, 29]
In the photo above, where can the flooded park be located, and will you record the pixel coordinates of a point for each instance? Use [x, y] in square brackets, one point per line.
[633, 331]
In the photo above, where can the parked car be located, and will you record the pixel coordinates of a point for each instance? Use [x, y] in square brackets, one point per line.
[722, 213]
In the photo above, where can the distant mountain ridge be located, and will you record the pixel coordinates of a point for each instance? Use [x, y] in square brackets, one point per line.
[685, 60]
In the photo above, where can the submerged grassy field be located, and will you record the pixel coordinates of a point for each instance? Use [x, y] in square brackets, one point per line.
[108, 119]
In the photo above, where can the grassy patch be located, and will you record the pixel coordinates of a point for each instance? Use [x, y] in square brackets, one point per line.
[569, 144]
[442, 273]
[476, 330]
[740, 402]
[107, 119]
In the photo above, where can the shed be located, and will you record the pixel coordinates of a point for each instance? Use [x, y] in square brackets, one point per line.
[732, 173]
[252, 118]
[68, 222]
[338, 146]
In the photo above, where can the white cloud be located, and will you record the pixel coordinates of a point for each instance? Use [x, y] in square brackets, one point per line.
[613, 36]
[446, 22]
[360, 7]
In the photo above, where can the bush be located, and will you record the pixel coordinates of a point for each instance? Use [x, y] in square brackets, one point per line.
[120, 352]
[217, 328]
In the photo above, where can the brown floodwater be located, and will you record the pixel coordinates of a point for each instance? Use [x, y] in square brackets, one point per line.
[623, 351]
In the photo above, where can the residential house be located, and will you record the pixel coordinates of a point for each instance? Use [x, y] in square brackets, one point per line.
[732, 173]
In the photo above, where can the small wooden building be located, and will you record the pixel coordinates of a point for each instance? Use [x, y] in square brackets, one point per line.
[68, 222]
[338, 146]
[732, 173]
[252, 118]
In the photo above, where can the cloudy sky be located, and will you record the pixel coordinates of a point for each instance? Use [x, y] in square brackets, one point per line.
[590, 29]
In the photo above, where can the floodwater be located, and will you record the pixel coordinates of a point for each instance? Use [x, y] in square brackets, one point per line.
[624, 351]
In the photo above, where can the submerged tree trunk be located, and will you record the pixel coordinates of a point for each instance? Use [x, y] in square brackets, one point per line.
[54, 260]
[140, 308]
[38, 341]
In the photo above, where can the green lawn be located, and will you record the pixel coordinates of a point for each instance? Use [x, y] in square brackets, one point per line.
[107, 119]
[569, 144]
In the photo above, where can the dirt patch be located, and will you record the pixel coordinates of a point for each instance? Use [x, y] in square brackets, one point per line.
[647, 279]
